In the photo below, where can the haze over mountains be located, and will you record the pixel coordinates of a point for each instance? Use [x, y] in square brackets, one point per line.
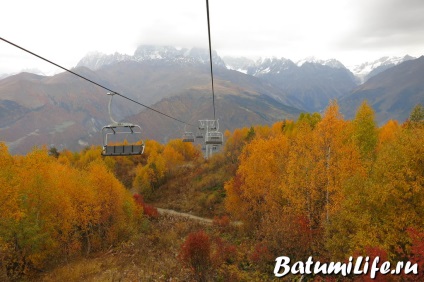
[66, 111]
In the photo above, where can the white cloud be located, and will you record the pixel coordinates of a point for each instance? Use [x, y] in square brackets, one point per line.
[350, 31]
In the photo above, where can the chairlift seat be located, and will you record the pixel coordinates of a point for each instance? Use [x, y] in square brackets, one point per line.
[199, 135]
[123, 150]
[188, 137]
[214, 138]
[119, 129]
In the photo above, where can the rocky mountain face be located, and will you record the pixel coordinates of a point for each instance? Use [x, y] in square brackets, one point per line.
[366, 70]
[392, 93]
[312, 82]
[241, 64]
[150, 53]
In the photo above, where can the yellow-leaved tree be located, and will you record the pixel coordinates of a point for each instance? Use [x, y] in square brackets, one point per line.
[52, 210]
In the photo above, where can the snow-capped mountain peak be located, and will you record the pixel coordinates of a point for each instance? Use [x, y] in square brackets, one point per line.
[368, 69]
[333, 63]
[96, 60]
[271, 65]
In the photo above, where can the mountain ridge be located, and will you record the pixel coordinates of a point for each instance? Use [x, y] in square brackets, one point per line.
[64, 111]
[392, 93]
[67, 112]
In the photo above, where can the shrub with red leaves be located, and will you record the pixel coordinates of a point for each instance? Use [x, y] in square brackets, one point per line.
[195, 253]
[417, 254]
[372, 253]
[148, 210]
[223, 252]
[261, 255]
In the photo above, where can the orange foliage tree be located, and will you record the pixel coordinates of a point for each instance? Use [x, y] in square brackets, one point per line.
[52, 210]
[291, 182]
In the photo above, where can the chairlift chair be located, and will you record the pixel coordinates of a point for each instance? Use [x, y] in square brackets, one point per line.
[120, 128]
[202, 125]
[121, 150]
[199, 135]
[199, 132]
[188, 137]
[214, 138]
[214, 125]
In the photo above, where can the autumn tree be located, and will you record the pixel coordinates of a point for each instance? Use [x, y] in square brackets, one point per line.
[387, 133]
[398, 181]
[52, 210]
[336, 161]
[305, 201]
[253, 191]
[150, 176]
[370, 216]
[311, 119]
[365, 134]
[234, 144]
[173, 158]
[417, 114]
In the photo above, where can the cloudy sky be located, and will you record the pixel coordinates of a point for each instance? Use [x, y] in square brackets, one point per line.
[352, 31]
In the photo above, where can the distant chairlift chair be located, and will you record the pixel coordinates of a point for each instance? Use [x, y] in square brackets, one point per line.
[188, 137]
[214, 137]
[120, 128]
[199, 132]
[199, 135]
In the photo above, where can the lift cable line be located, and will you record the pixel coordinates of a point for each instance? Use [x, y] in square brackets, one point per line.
[208, 131]
[93, 82]
[210, 57]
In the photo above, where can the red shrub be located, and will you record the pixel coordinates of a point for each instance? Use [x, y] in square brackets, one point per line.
[372, 253]
[195, 253]
[148, 210]
[261, 254]
[417, 254]
[223, 252]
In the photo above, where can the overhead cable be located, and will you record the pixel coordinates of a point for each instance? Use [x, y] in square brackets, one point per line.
[93, 82]
[210, 58]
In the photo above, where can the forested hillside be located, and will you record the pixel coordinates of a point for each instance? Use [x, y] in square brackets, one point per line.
[320, 186]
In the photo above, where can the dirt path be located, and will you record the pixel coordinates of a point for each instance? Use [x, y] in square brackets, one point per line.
[193, 217]
[187, 215]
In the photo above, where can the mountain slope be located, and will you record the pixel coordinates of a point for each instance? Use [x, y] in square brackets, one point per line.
[392, 93]
[313, 83]
[235, 108]
[61, 110]
[309, 84]
[66, 111]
